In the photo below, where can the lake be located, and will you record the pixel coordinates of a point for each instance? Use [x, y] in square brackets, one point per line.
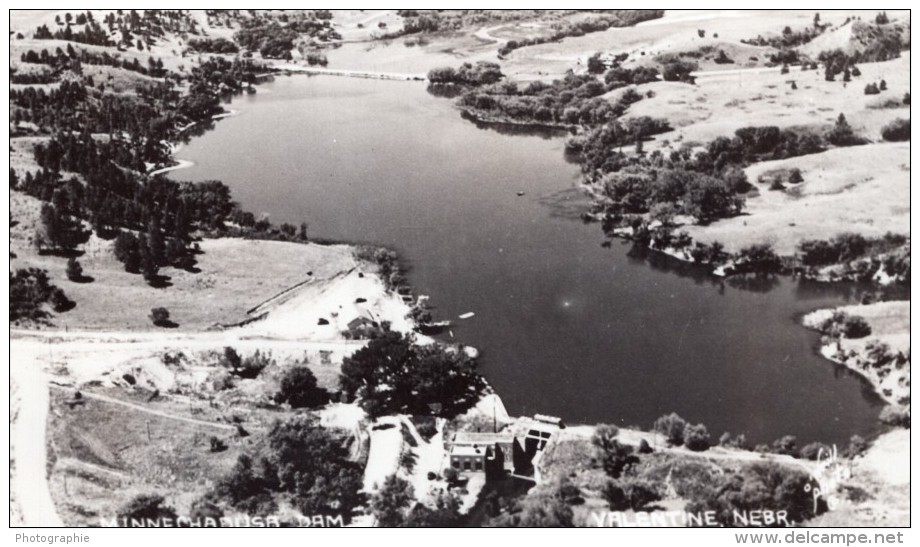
[566, 327]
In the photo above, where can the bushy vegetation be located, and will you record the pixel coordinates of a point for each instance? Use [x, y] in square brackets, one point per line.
[213, 45]
[391, 502]
[615, 457]
[842, 324]
[250, 366]
[672, 426]
[482, 73]
[274, 35]
[604, 21]
[393, 375]
[898, 130]
[299, 388]
[300, 463]
[758, 487]
[861, 256]
[31, 292]
[146, 511]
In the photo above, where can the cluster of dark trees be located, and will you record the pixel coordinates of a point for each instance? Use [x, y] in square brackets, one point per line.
[393, 375]
[299, 462]
[757, 487]
[394, 505]
[609, 19]
[71, 59]
[700, 195]
[92, 33]
[864, 255]
[31, 78]
[274, 38]
[119, 28]
[213, 45]
[482, 73]
[75, 107]
[841, 248]
[789, 39]
[618, 76]
[572, 100]
[30, 291]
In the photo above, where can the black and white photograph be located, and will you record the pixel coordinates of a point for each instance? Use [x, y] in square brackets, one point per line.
[460, 268]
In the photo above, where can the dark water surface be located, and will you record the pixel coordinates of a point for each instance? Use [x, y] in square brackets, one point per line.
[566, 327]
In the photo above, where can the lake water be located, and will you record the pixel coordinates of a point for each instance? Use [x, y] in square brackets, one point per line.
[566, 327]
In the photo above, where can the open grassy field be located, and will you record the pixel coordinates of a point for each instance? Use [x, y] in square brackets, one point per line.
[864, 189]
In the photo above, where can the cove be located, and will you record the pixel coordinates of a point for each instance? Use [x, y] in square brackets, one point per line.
[566, 327]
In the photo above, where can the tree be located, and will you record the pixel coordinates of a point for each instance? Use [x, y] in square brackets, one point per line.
[539, 509]
[394, 375]
[74, 270]
[127, 251]
[795, 175]
[871, 89]
[855, 326]
[299, 389]
[445, 514]
[389, 504]
[146, 510]
[155, 240]
[696, 437]
[632, 494]
[58, 231]
[672, 427]
[898, 130]
[205, 514]
[759, 258]
[160, 317]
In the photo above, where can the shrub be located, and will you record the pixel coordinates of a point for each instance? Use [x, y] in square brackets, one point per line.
[205, 514]
[785, 445]
[795, 175]
[896, 415]
[160, 317]
[871, 89]
[145, 509]
[630, 494]
[30, 290]
[842, 134]
[696, 437]
[299, 389]
[679, 71]
[857, 447]
[217, 444]
[672, 427]
[760, 259]
[74, 270]
[856, 327]
[898, 130]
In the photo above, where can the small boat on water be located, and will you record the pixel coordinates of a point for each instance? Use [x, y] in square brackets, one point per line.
[466, 315]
